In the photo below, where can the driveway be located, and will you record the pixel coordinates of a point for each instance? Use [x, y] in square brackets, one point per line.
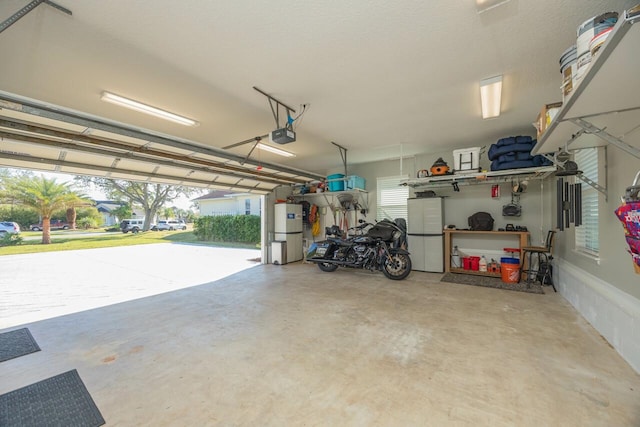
[40, 286]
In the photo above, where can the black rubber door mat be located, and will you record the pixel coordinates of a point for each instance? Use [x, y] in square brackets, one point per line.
[62, 400]
[17, 343]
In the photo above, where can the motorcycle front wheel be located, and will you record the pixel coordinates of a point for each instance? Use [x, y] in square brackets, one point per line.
[398, 267]
[327, 267]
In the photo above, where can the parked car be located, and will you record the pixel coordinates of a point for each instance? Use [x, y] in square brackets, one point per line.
[56, 224]
[169, 224]
[7, 227]
[131, 225]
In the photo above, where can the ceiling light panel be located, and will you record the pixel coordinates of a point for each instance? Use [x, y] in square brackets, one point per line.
[274, 150]
[491, 96]
[485, 5]
[147, 109]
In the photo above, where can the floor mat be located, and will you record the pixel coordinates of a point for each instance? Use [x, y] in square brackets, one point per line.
[62, 400]
[490, 282]
[17, 343]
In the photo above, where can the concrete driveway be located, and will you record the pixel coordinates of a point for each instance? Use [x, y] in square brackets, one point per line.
[40, 286]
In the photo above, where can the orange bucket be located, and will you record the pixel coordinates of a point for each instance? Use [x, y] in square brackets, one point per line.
[510, 273]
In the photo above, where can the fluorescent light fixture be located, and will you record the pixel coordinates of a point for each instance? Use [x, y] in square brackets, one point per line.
[490, 96]
[274, 150]
[484, 5]
[147, 109]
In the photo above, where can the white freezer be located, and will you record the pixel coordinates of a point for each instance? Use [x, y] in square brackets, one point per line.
[288, 228]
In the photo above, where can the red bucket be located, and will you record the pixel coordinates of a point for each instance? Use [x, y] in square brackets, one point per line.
[466, 263]
[475, 263]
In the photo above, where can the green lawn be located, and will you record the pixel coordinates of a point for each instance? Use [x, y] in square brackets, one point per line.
[61, 242]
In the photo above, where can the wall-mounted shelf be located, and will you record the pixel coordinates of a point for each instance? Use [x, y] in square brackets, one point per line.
[361, 196]
[604, 107]
[490, 177]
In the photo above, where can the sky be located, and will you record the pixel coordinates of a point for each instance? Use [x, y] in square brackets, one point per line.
[181, 202]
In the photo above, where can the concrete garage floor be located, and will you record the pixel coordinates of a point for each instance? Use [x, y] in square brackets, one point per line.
[291, 345]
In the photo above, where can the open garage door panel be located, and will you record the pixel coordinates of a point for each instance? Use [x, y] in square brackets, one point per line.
[39, 136]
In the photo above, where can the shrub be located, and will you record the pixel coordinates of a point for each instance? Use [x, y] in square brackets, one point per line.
[7, 239]
[87, 223]
[228, 228]
[20, 214]
[89, 217]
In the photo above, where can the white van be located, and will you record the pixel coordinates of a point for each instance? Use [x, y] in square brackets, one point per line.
[169, 224]
[131, 225]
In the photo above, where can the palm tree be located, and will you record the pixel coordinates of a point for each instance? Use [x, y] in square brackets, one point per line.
[44, 195]
[79, 200]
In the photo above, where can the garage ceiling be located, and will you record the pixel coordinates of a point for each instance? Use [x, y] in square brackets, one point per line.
[379, 78]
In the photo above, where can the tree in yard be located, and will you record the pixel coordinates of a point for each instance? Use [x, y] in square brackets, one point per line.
[168, 213]
[151, 197]
[80, 201]
[123, 212]
[45, 196]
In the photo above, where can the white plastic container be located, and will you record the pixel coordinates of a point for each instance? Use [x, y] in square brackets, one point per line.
[466, 159]
[483, 264]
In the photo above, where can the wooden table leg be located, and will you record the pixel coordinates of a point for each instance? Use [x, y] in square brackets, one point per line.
[447, 252]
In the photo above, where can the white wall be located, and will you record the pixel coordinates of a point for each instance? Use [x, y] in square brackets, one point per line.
[606, 292]
[615, 265]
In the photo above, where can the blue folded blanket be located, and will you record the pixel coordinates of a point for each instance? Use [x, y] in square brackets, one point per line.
[535, 161]
[514, 140]
[516, 164]
[510, 157]
[498, 150]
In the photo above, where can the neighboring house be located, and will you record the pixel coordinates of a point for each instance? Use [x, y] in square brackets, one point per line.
[106, 208]
[228, 203]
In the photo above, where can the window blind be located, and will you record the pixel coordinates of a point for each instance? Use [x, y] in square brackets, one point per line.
[587, 238]
[391, 198]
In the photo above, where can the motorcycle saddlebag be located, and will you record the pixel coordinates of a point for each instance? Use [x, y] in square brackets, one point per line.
[317, 250]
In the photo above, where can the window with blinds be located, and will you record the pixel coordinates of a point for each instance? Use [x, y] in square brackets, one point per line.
[587, 239]
[391, 198]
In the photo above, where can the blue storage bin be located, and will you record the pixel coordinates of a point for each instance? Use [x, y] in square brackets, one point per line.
[336, 182]
[355, 181]
[508, 260]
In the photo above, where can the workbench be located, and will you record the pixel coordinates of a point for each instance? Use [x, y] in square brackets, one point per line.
[521, 236]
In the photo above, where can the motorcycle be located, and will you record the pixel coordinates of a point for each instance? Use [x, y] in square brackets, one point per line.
[379, 247]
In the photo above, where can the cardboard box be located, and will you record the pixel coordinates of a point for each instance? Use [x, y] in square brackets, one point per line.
[546, 116]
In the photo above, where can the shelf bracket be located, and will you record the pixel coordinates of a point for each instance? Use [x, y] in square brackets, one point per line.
[581, 177]
[594, 185]
[276, 111]
[343, 154]
[602, 134]
[28, 8]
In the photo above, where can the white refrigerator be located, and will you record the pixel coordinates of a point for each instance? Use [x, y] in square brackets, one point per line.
[425, 237]
[288, 228]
